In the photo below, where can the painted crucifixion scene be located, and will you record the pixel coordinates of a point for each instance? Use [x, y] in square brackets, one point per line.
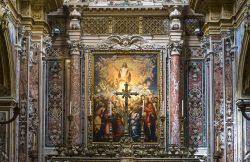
[125, 90]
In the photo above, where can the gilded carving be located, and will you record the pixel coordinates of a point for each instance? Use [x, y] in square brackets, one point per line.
[37, 11]
[4, 16]
[25, 8]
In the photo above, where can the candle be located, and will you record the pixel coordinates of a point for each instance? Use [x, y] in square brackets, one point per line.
[163, 109]
[70, 110]
[182, 108]
[90, 111]
[211, 45]
[34, 141]
[217, 143]
[143, 105]
[110, 108]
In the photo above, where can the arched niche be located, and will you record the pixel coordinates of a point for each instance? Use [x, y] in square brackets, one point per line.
[246, 74]
[7, 71]
[243, 75]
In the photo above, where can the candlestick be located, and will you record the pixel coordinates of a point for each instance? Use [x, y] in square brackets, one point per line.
[110, 108]
[90, 111]
[70, 110]
[182, 108]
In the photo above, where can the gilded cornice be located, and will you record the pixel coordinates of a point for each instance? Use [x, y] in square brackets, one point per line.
[33, 14]
[219, 15]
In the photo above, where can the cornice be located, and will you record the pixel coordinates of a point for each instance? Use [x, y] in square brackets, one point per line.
[119, 12]
[220, 15]
[41, 26]
[218, 26]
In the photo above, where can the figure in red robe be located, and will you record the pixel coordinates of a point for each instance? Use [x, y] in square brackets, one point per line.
[150, 122]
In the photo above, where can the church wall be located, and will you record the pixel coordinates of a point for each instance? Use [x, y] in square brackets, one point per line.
[207, 86]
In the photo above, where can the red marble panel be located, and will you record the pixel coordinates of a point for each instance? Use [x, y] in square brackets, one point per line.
[195, 99]
[33, 117]
[218, 92]
[54, 114]
[229, 100]
[23, 99]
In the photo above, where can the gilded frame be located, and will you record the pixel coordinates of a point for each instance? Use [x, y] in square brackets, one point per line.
[90, 89]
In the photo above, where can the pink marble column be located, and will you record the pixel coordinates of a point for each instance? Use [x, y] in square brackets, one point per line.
[75, 97]
[175, 98]
[75, 88]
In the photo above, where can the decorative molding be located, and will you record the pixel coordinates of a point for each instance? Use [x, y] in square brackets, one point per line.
[133, 151]
[125, 42]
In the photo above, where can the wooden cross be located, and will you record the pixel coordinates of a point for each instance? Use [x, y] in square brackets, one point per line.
[126, 93]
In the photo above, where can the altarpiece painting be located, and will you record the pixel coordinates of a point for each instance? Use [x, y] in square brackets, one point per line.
[136, 72]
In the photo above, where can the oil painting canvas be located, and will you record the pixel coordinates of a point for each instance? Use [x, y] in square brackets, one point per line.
[111, 72]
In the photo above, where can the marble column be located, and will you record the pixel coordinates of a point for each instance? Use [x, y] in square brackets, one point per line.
[75, 88]
[175, 77]
[175, 97]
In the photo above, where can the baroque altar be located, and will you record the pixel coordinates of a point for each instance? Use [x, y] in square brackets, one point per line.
[125, 78]
[125, 115]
